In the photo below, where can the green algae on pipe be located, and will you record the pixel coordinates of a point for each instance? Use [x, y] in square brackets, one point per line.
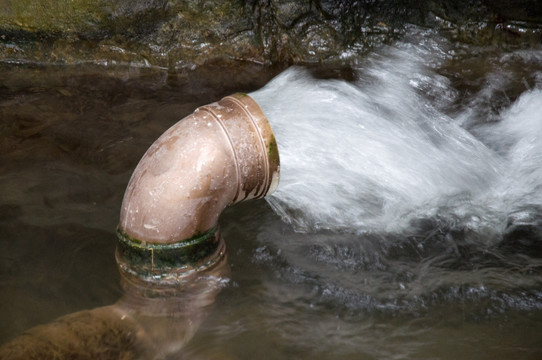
[168, 262]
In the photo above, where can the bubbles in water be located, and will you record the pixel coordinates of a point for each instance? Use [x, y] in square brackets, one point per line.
[519, 137]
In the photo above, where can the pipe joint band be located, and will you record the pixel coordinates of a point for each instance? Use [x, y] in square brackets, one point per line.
[159, 262]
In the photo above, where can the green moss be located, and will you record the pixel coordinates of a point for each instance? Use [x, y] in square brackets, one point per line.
[273, 151]
[56, 16]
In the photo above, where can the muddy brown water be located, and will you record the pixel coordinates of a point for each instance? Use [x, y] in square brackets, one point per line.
[72, 135]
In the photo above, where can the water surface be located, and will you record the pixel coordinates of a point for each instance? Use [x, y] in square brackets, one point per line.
[407, 224]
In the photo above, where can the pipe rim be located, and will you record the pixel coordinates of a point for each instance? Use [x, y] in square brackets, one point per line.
[267, 138]
[268, 148]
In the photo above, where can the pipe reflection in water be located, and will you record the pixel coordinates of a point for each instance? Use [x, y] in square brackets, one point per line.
[168, 315]
[151, 320]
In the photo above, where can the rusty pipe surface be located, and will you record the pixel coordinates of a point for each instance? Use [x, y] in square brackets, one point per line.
[221, 154]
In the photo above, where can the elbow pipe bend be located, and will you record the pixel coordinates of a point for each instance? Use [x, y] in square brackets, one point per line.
[221, 154]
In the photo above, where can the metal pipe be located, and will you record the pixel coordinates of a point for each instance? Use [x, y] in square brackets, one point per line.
[223, 153]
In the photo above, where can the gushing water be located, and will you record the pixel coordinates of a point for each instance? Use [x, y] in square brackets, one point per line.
[376, 154]
[409, 188]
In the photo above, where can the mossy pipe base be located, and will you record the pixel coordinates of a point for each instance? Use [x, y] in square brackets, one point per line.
[167, 263]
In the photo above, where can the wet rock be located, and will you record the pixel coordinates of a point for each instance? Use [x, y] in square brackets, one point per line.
[177, 34]
[523, 233]
[484, 22]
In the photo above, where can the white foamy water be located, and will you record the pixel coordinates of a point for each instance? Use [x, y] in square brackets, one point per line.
[375, 154]
[518, 137]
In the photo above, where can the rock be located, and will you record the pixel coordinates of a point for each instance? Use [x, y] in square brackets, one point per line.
[177, 34]
[523, 232]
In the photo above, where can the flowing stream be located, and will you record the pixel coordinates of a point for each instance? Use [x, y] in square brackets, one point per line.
[407, 223]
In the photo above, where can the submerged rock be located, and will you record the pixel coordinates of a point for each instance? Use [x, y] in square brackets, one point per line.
[523, 233]
[182, 34]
